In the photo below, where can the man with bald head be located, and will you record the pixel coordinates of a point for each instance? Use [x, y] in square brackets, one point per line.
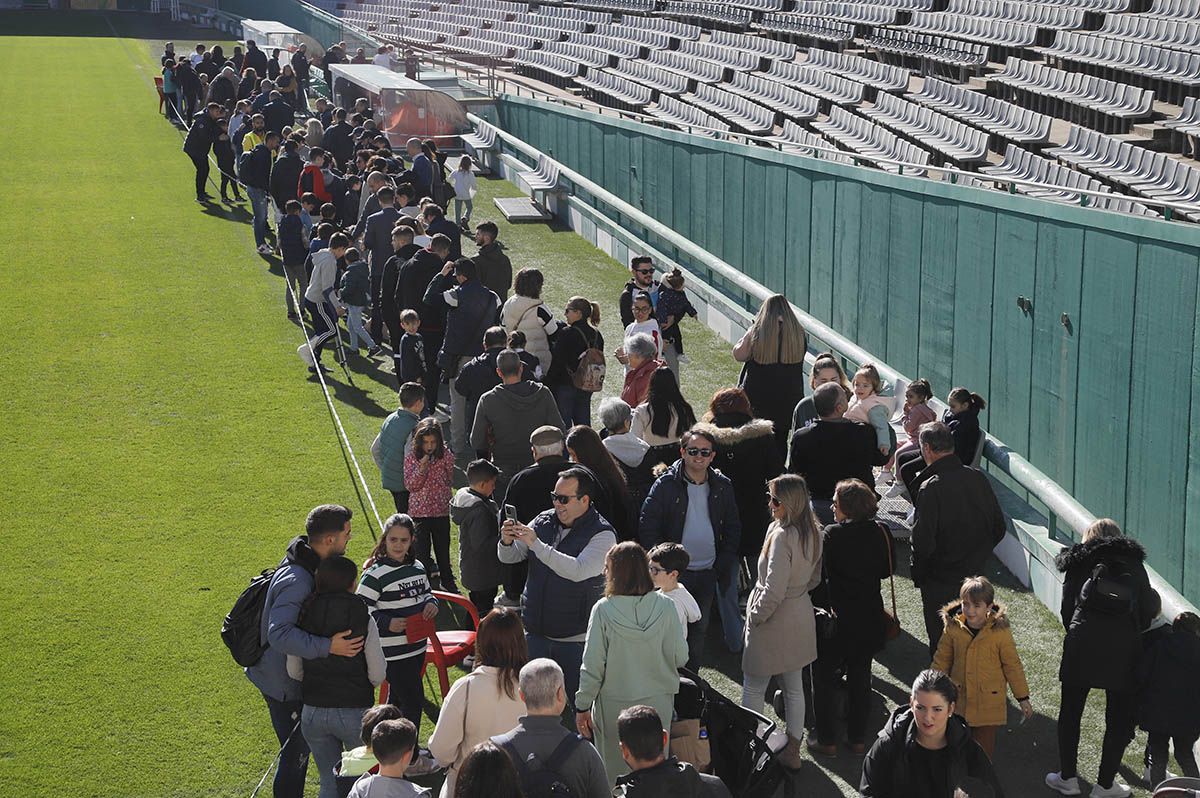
[832, 449]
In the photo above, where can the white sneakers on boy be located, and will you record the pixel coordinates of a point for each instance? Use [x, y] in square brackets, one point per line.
[1117, 790]
[1056, 782]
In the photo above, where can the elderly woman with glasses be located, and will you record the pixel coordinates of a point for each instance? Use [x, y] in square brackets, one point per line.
[640, 356]
[634, 649]
[781, 633]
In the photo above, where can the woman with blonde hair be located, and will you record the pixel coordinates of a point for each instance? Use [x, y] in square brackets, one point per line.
[773, 375]
[635, 646]
[313, 133]
[781, 632]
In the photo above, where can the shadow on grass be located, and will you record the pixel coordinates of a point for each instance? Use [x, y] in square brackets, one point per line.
[234, 213]
[352, 395]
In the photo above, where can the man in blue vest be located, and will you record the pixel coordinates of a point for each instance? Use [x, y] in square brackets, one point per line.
[471, 308]
[565, 548]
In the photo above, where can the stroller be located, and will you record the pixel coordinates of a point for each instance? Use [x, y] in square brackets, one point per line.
[1180, 787]
[738, 738]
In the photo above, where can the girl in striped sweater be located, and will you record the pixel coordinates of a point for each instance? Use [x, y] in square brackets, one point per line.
[395, 588]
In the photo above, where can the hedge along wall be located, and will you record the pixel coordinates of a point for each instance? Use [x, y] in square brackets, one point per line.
[927, 276]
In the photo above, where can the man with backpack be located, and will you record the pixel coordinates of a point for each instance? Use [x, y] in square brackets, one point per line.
[327, 531]
[958, 523]
[551, 761]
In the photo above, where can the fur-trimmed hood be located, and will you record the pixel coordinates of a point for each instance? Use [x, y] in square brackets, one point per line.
[731, 436]
[1121, 548]
[951, 614]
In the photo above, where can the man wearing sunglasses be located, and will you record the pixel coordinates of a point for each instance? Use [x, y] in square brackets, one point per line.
[565, 548]
[693, 504]
[642, 270]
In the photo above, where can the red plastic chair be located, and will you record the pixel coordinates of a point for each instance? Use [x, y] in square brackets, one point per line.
[443, 648]
[162, 98]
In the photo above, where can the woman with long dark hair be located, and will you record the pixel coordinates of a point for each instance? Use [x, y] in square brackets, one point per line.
[663, 418]
[925, 749]
[488, 772]
[585, 447]
[635, 646]
[486, 701]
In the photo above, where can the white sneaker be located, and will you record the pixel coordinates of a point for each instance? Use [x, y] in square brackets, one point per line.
[684, 359]
[1117, 790]
[1056, 782]
[305, 354]
[264, 249]
[895, 491]
[505, 601]
[911, 519]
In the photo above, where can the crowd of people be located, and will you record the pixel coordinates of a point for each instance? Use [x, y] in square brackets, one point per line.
[596, 555]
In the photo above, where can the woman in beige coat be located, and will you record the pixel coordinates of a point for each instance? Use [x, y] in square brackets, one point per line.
[485, 702]
[781, 634]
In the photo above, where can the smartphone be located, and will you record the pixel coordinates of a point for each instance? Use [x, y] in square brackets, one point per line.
[510, 513]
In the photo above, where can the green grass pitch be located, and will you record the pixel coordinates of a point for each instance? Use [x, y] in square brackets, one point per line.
[162, 442]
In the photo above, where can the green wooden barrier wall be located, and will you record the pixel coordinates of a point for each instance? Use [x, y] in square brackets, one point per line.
[927, 275]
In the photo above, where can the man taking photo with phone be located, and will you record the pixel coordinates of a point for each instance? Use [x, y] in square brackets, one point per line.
[565, 548]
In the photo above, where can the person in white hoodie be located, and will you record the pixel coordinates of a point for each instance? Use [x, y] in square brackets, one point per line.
[320, 300]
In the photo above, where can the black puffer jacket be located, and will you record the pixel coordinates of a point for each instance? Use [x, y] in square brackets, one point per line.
[1102, 650]
[671, 779]
[888, 773]
[747, 454]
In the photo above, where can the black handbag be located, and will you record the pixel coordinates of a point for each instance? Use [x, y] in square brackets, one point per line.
[827, 620]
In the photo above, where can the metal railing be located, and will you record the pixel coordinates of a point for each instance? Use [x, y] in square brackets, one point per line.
[1062, 507]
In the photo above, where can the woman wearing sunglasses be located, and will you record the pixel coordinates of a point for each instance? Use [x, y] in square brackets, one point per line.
[781, 632]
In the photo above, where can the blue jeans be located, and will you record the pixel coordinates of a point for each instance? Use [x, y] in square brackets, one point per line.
[293, 753]
[458, 209]
[569, 657]
[731, 614]
[354, 324]
[702, 585]
[328, 730]
[574, 405]
[258, 203]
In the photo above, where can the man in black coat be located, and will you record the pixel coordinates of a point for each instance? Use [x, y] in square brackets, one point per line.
[285, 174]
[337, 139]
[436, 222]
[199, 142]
[403, 248]
[278, 114]
[189, 86]
[958, 523]
[255, 58]
[377, 241]
[414, 278]
[832, 449]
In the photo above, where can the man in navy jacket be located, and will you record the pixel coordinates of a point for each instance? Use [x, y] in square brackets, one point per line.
[327, 531]
[693, 504]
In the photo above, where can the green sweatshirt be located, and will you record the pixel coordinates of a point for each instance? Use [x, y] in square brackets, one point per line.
[634, 649]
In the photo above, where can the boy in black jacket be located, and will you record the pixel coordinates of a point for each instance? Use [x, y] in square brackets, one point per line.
[474, 511]
[223, 150]
[293, 246]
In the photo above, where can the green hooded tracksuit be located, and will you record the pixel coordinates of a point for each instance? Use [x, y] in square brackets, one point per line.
[634, 649]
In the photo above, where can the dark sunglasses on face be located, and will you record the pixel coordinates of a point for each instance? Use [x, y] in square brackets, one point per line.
[694, 451]
[773, 499]
[562, 498]
[645, 271]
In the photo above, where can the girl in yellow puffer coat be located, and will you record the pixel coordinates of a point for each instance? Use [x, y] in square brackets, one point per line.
[978, 652]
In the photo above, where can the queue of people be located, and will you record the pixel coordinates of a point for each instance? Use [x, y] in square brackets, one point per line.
[596, 557]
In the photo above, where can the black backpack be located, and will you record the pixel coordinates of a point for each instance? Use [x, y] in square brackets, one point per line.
[1108, 592]
[242, 626]
[544, 781]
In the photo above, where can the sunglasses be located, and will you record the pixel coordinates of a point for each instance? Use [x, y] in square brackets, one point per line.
[773, 499]
[562, 498]
[695, 451]
[645, 271]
